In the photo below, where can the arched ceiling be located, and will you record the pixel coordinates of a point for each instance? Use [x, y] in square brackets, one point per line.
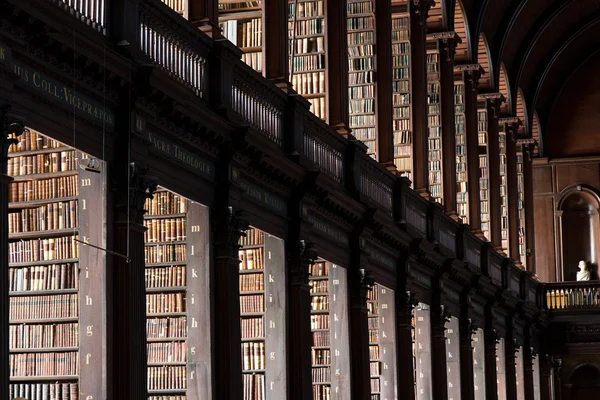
[538, 43]
[460, 27]
[486, 82]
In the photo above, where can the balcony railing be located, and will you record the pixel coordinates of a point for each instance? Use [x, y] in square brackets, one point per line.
[572, 295]
[92, 12]
[324, 148]
[174, 44]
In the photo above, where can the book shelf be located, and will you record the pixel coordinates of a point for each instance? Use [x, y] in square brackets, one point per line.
[462, 195]
[434, 126]
[242, 24]
[453, 358]
[479, 364]
[521, 206]
[329, 326]
[422, 352]
[176, 278]
[503, 189]
[308, 52]
[361, 69]
[402, 124]
[482, 122]
[262, 307]
[501, 368]
[48, 196]
[380, 302]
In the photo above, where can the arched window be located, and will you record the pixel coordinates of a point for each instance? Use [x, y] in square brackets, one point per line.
[579, 230]
[585, 382]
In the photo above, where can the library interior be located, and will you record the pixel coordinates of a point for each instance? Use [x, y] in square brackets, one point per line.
[299, 199]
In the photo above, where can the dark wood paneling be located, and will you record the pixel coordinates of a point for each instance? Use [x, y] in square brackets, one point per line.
[542, 179]
[544, 238]
[567, 175]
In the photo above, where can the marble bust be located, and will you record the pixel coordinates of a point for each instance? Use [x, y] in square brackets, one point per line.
[583, 274]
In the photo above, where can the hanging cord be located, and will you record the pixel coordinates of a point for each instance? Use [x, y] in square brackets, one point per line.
[293, 49]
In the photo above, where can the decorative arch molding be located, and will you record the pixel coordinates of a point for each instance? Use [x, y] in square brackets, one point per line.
[536, 134]
[460, 24]
[522, 114]
[577, 367]
[577, 188]
[486, 82]
[504, 88]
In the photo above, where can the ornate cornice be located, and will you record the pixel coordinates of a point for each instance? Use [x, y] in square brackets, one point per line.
[509, 120]
[10, 128]
[491, 96]
[141, 187]
[366, 282]
[303, 256]
[420, 10]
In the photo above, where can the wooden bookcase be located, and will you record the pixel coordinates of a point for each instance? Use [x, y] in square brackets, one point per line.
[241, 23]
[176, 294]
[51, 276]
[422, 352]
[263, 317]
[479, 364]
[308, 52]
[453, 358]
[482, 122]
[329, 325]
[462, 194]
[503, 189]
[434, 126]
[402, 124]
[382, 343]
[521, 206]
[361, 69]
[501, 368]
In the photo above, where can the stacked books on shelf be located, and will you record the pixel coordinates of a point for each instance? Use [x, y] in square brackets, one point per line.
[402, 125]
[166, 280]
[43, 270]
[521, 207]
[177, 5]
[434, 126]
[482, 123]
[421, 351]
[374, 342]
[308, 60]
[321, 330]
[462, 195]
[503, 188]
[242, 24]
[361, 69]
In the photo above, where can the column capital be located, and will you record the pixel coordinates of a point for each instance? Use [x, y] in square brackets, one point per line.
[419, 10]
[302, 256]
[9, 129]
[229, 236]
[446, 42]
[366, 282]
[470, 73]
[140, 187]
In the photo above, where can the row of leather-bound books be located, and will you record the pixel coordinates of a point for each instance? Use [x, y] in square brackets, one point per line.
[51, 249]
[44, 307]
[47, 217]
[165, 253]
[165, 203]
[254, 387]
[166, 328]
[44, 364]
[321, 374]
[43, 336]
[165, 303]
[44, 391]
[42, 163]
[252, 303]
[252, 327]
[165, 230]
[252, 282]
[253, 356]
[43, 189]
[167, 377]
[252, 237]
[167, 352]
[44, 277]
[31, 140]
[160, 277]
[252, 259]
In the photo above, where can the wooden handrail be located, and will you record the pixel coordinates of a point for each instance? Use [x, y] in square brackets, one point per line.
[569, 295]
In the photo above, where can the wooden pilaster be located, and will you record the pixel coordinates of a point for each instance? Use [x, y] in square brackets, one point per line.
[439, 318]
[405, 303]
[470, 75]
[490, 343]
[467, 379]
[418, 28]
[446, 44]
[511, 128]
[205, 15]
[510, 351]
[385, 129]
[528, 356]
[125, 23]
[546, 378]
[8, 127]
[300, 257]
[276, 44]
[229, 227]
[129, 292]
[528, 200]
[337, 63]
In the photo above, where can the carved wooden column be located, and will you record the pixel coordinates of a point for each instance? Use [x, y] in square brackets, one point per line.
[229, 227]
[493, 103]
[385, 129]
[446, 44]
[205, 15]
[8, 127]
[125, 23]
[360, 283]
[467, 378]
[276, 44]
[528, 356]
[439, 318]
[510, 351]
[470, 75]
[511, 128]
[546, 377]
[558, 389]
[129, 367]
[405, 303]
[528, 199]
[300, 257]
[490, 343]
[337, 63]
[418, 41]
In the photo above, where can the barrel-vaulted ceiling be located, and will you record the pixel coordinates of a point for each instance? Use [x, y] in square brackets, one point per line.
[531, 47]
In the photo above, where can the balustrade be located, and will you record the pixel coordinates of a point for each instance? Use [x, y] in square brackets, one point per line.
[376, 183]
[569, 295]
[323, 148]
[92, 12]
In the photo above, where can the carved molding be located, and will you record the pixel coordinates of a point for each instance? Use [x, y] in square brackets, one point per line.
[236, 229]
[420, 10]
[10, 128]
[141, 187]
[303, 256]
[366, 283]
